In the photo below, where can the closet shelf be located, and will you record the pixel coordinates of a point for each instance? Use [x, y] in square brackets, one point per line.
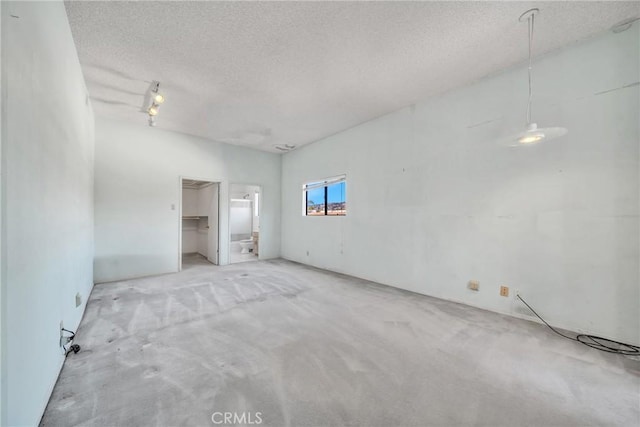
[193, 216]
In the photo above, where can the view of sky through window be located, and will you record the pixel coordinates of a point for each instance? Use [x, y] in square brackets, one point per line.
[327, 200]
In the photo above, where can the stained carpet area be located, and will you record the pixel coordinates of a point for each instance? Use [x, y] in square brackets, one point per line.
[297, 346]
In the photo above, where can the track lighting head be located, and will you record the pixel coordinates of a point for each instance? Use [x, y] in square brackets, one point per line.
[156, 100]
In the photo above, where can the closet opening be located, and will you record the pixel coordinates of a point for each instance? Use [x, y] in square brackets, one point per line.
[199, 222]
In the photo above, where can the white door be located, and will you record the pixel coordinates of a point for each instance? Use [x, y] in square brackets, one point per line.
[212, 252]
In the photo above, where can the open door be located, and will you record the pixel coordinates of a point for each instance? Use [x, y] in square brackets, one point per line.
[213, 253]
[244, 222]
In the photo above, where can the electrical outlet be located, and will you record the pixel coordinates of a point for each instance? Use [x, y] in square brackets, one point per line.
[474, 285]
[78, 299]
[504, 291]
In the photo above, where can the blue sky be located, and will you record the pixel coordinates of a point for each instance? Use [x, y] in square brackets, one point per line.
[335, 193]
[315, 196]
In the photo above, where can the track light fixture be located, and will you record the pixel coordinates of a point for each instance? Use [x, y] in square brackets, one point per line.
[156, 99]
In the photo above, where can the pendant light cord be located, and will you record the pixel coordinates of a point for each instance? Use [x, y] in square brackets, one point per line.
[530, 22]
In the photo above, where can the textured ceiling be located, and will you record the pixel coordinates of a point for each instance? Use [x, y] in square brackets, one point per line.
[261, 74]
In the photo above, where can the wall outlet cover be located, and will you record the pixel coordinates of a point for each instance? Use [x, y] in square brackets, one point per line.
[78, 299]
[474, 285]
[504, 291]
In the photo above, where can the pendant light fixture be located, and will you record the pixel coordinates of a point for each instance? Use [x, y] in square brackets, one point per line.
[532, 133]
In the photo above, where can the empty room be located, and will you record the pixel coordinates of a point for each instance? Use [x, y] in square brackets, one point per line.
[320, 213]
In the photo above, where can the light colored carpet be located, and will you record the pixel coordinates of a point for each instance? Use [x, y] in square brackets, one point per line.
[305, 347]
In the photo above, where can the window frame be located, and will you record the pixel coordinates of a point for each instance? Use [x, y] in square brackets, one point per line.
[323, 183]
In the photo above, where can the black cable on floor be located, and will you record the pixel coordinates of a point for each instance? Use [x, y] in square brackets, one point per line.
[75, 348]
[599, 343]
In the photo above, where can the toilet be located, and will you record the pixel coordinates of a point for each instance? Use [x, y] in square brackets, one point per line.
[246, 246]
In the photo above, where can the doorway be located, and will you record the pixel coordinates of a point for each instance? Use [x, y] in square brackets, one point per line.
[199, 224]
[244, 223]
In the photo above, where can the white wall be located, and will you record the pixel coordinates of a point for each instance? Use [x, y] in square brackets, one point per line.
[136, 228]
[47, 233]
[433, 201]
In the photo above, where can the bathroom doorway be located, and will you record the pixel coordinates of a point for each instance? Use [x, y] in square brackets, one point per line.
[244, 223]
[199, 225]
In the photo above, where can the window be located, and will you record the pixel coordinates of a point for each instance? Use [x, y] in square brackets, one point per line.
[326, 197]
